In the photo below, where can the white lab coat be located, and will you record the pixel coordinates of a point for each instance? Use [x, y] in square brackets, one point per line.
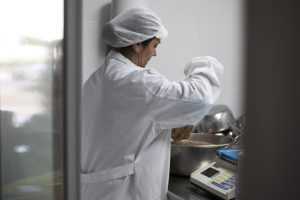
[127, 116]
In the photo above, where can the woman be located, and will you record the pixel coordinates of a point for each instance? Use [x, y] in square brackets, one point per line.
[128, 111]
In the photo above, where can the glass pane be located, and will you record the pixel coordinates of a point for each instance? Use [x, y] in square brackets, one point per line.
[31, 99]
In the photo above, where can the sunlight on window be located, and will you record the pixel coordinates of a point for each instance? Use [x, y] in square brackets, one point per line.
[26, 50]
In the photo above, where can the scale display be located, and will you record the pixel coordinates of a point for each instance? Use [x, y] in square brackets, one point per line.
[209, 172]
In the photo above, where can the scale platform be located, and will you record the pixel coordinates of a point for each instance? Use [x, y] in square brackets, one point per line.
[219, 177]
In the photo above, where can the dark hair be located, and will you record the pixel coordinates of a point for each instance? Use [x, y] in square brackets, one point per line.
[146, 42]
[128, 49]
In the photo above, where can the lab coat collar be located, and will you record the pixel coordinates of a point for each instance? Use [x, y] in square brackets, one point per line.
[116, 55]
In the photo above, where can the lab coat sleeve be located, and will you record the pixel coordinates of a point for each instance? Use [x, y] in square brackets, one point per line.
[176, 104]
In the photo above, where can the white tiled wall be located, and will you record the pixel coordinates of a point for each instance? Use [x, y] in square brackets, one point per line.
[95, 14]
[196, 27]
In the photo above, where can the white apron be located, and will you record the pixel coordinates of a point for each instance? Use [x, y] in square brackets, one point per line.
[127, 116]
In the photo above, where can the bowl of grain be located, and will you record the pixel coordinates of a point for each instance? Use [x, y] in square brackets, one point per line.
[194, 153]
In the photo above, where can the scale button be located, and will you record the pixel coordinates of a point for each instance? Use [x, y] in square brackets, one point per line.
[225, 188]
[219, 185]
[216, 184]
[231, 184]
[217, 179]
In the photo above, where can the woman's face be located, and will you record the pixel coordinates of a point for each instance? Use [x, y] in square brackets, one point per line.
[146, 52]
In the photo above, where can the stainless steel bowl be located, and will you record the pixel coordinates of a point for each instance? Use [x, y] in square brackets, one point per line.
[218, 119]
[185, 159]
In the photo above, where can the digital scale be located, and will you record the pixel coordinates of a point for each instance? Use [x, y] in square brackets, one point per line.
[219, 177]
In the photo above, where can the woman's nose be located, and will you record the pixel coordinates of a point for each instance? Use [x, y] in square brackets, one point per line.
[154, 52]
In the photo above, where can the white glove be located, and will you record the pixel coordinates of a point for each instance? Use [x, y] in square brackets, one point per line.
[207, 66]
[205, 72]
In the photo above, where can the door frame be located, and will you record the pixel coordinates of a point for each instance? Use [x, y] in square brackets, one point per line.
[72, 99]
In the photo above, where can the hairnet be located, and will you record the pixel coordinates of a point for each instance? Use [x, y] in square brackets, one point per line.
[132, 26]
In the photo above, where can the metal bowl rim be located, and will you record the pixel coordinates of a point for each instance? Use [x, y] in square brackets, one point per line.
[199, 146]
[204, 145]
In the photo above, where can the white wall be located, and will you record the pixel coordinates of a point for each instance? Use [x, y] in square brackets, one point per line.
[196, 27]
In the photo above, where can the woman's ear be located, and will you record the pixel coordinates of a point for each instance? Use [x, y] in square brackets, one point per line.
[137, 48]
